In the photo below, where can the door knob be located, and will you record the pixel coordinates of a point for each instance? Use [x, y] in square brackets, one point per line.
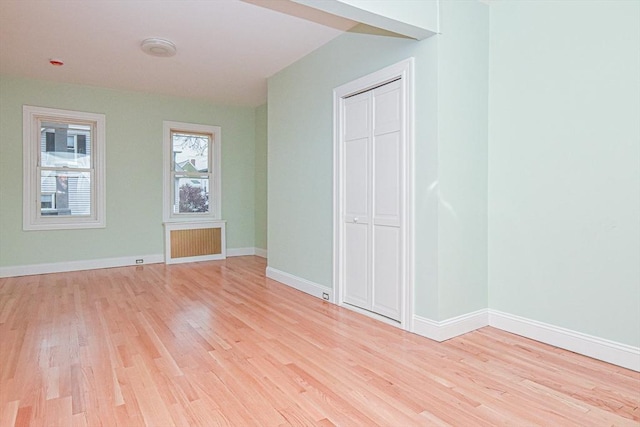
[355, 220]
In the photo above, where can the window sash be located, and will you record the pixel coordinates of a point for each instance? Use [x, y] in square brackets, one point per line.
[175, 197]
[210, 148]
[42, 123]
[212, 174]
[91, 167]
[175, 210]
[40, 193]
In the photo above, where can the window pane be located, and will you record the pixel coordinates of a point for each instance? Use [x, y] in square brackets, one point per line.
[65, 144]
[191, 195]
[65, 193]
[47, 201]
[190, 152]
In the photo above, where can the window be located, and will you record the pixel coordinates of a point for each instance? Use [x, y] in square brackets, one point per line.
[192, 189]
[64, 167]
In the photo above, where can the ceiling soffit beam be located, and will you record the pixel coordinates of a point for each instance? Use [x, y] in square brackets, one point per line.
[301, 11]
[417, 20]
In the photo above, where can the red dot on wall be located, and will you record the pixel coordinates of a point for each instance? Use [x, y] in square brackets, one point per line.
[56, 62]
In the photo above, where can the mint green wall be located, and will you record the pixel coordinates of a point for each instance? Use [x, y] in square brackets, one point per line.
[300, 130]
[260, 216]
[463, 104]
[564, 165]
[450, 167]
[134, 171]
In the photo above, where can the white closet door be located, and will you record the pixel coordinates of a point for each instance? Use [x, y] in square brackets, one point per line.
[373, 155]
[357, 189]
[387, 200]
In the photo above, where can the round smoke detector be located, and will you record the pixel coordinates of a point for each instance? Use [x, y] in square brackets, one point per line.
[158, 47]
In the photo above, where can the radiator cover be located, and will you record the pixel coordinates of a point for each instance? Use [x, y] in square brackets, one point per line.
[190, 242]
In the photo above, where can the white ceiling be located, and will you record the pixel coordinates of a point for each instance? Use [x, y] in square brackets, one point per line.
[225, 48]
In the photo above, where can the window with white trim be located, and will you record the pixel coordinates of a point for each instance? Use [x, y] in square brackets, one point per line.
[64, 169]
[192, 189]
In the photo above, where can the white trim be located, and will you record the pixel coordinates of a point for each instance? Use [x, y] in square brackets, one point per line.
[405, 71]
[92, 264]
[241, 251]
[450, 328]
[298, 283]
[31, 218]
[409, 219]
[247, 252]
[198, 258]
[215, 164]
[598, 348]
[371, 314]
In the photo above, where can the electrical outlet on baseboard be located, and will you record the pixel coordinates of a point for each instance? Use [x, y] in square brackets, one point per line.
[140, 261]
[325, 296]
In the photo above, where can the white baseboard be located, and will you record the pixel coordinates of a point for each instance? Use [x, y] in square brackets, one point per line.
[247, 252]
[598, 348]
[92, 264]
[450, 328]
[299, 283]
[241, 251]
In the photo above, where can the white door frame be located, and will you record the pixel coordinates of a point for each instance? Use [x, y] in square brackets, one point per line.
[404, 71]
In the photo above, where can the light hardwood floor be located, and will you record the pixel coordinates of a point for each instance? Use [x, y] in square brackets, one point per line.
[218, 344]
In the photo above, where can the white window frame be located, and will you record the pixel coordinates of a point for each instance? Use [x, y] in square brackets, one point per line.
[32, 117]
[215, 185]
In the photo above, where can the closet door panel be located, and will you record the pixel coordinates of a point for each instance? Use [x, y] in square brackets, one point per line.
[357, 186]
[387, 178]
[387, 272]
[357, 291]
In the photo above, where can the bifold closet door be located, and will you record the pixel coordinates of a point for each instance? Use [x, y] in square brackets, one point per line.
[373, 154]
[357, 203]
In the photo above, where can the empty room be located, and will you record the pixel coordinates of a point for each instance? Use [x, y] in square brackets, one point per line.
[319, 212]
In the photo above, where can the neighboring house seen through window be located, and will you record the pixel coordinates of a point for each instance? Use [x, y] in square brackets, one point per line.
[63, 169]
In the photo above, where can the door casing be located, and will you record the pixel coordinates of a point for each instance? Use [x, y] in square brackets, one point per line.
[402, 70]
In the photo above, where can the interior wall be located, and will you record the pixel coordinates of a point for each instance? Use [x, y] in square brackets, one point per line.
[463, 111]
[260, 216]
[564, 165]
[450, 157]
[134, 171]
[300, 167]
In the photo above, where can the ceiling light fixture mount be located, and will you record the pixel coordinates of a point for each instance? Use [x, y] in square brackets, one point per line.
[158, 47]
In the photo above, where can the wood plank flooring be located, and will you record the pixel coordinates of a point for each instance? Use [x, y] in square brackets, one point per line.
[217, 343]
